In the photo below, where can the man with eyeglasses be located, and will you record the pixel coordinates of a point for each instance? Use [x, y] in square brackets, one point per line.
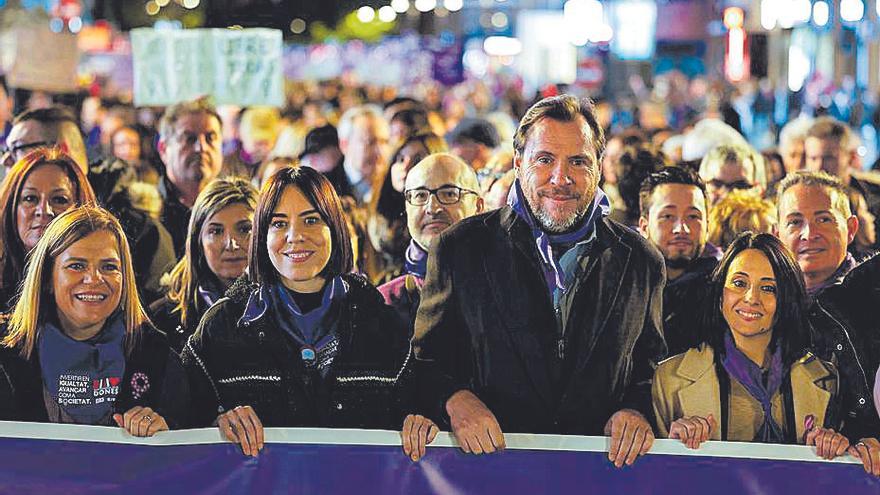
[544, 316]
[729, 167]
[190, 146]
[440, 191]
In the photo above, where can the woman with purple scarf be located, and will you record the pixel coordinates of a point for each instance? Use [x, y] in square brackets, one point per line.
[753, 379]
[301, 341]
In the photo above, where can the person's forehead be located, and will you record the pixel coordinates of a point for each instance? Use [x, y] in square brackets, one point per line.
[437, 174]
[198, 122]
[293, 201]
[751, 261]
[561, 137]
[732, 170]
[31, 131]
[816, 144]
[679, 195]
[806, 199]
[97, 245]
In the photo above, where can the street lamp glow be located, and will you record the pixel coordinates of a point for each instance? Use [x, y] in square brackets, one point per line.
[366, 14]
[387, 14]
[502, 46]
[190, 4]
[152, 8]
[499, 20]
[297, 26]
[821, 13]
[400, 6]
[769, 14]
[453, 5]
[582, 18]
[852, 10]
[75, 24]
[426, 5]
[801, 11]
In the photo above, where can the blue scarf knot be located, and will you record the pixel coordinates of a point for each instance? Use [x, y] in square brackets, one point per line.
[554, 275]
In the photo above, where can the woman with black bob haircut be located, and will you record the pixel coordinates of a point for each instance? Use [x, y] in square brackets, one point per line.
[303, 342]
[78, 347]
[753, 379]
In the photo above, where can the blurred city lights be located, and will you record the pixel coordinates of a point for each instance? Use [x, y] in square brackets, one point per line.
[769, 13]
[400, 6]
[735, 62]
[56, 25]
[635, 24]
[297, 26]
[852, 10]
[425, 5]
[502, 46]
[798, 67]
[499, 20]
[453, 5]
[75, 24]
[190, 4]
[821, 13]
[162, 3]
[801, 11]
[387, 14]
[366, 14]
[152, 8]
[581, 18]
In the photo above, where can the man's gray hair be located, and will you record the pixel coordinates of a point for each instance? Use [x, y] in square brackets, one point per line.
[795, 130]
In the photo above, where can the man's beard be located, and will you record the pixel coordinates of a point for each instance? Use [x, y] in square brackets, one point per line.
[558, 226]
[684, 260]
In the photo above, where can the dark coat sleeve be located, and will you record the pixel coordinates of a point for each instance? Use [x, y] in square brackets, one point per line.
[441, 339]
[650, 348]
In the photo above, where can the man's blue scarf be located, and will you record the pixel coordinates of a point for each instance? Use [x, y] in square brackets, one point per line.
[554, 275]
[84, 377]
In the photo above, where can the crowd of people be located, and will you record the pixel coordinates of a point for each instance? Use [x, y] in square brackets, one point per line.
[397, 266]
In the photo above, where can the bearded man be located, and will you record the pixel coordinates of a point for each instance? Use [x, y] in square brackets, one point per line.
[544, 316]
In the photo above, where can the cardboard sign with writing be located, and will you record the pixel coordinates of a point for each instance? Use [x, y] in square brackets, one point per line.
[241, 67]
[40, 60]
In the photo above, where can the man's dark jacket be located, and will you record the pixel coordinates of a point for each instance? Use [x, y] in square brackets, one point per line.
[682, 300]
[486, 323]
[845, 320]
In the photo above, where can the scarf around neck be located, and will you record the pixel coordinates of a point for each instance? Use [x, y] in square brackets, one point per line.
[750, 376]
[416, 259]
[83, 377]
[837, 277]
[554, 275]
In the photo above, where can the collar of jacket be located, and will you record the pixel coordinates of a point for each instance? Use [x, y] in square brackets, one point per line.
[702, 396]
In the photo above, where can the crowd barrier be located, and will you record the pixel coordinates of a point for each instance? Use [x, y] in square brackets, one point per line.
[69, 459]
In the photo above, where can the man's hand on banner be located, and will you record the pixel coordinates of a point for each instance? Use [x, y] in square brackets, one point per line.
[693, 430]
[631, 437]
[473, 424]
[417, 432]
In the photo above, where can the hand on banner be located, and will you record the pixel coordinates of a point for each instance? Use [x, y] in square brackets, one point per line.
[242, 426]
[693, 430]
[829, 443]
[141, 421]
[418, 431]
[631, 437]
[868, 451]
[473, 424]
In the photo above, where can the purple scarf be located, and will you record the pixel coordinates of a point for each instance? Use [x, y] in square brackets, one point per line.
[749, 375]
[416, 260]
[553, 273]
[837, 277]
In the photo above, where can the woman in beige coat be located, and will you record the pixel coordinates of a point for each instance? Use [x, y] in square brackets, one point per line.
[751, 380]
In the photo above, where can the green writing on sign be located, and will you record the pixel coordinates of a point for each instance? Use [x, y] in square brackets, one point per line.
[239, 67]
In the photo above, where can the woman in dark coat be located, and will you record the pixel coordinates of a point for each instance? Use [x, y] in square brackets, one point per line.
[303, 342]
[78, 347]
[216, 254]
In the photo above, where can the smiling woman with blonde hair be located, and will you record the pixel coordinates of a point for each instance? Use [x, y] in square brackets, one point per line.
[78, 347]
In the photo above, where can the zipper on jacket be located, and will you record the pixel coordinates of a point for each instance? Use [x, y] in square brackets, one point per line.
[849, 341]
[560, 333]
